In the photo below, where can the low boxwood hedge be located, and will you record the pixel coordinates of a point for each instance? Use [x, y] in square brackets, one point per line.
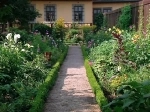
[39, 101]
[99, 95]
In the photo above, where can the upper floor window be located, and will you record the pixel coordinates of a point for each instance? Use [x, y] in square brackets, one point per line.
[78, 13]
[50, 13]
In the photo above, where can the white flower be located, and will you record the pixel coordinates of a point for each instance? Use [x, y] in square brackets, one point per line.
[16, 49]
[31, 46]
[9, 35]
[119, 68]
[28, 45]
[23, 50]
[16, 37]
[12, 46]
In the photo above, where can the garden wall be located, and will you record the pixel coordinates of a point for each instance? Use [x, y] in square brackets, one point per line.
[112, 17]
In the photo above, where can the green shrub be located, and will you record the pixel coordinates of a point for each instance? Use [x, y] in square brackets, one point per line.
[40, 45]
[25, 36]
[87, 30]
[98, 21]
[132, 96]
[58, 31]
[42, 29]
[74, 36]
[125, 18]
[100, 98]
[38, 103]
[20, 75]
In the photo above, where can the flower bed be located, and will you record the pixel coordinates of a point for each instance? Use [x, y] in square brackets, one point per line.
[23, 70]
[121, 67]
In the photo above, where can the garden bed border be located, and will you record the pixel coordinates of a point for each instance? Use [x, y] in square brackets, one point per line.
[39, 101]
[99, 95]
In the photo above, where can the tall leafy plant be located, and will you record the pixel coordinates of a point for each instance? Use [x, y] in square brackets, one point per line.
[58, 31]
[98, 21]
[125, 17]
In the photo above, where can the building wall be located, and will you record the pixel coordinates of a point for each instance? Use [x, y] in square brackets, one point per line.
[113, 5]
[64, 10]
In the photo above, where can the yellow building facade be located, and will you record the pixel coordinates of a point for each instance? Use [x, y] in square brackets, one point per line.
[81, 11]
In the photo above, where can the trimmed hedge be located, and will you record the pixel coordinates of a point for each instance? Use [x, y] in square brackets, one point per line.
[99, 95]
[39, 101]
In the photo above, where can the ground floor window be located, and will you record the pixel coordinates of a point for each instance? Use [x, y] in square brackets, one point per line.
[96, 11]
[107, 9]
[50, 13]
[78, 13]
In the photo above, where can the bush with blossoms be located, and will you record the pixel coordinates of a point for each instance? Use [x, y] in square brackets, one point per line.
[22, 71]
[121, 66]
[24, 66]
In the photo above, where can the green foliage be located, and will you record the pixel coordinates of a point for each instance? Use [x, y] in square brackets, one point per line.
[125, 18]
[40, 45]
[20, 76]
[98, 21]
[137, 48]
[105, 22]
[100, 98]
[6, 12]
[74, 36]
[42, 28]
[25, 36]
[23, 71]
[96, 38]
[123, 59]
[17, 10]
[102, 62]
[38, 103]
[87, 30]
[58, 31]
[133, 96]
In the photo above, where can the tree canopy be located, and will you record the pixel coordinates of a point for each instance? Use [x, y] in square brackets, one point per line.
[16, 10]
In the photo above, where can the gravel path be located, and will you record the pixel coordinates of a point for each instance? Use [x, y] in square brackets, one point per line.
[72, 91]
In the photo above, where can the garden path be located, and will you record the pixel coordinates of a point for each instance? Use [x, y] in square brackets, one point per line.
[72, 91]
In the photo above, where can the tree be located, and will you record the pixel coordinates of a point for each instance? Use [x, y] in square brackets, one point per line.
[125, 19]
[98, 21]
[12, 10]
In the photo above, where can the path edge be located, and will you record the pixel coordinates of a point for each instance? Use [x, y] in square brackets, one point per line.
[39, 101]
[99, 95]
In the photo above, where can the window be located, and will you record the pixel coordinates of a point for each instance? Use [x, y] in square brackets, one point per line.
[105, 10]
[96, 11]
[50, 13]
[77, 13]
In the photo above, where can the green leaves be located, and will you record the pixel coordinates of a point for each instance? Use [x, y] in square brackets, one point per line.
[17, 10]
[133, 96]
[125, 18]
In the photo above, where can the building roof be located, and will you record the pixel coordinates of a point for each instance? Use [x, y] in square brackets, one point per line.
[110, 1]
[95, 1]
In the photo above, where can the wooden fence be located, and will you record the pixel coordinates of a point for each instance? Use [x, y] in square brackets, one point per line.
[112, 17]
